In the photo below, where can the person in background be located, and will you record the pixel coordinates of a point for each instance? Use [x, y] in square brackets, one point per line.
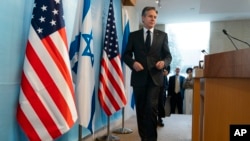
[162, 97]
[146, 54]
[188, 93]
[176, 91]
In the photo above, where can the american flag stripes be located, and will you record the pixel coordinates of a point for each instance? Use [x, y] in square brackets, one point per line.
[111, 91]
[82, 63]
[46, 107]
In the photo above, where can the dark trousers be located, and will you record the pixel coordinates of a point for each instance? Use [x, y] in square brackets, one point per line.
[146, 100]
[161, 103]
[176, 100]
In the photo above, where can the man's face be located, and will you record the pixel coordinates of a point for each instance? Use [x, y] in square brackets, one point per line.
[149, 19]
[177, 71]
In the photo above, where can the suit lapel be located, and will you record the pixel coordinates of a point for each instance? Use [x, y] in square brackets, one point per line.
[155, 37]
[141, 37]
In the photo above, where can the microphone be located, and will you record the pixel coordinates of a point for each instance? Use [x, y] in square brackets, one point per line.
[204, 52]
[229, 37]
[225, 32]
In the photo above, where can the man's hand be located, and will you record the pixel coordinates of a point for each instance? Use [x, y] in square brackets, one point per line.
[160, 65]
[137, 66]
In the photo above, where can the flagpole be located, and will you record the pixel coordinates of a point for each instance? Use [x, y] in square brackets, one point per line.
[108, 137]
[111, 89]
[79, 132]
[123, 130]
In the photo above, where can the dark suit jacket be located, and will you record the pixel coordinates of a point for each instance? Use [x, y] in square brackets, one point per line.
[137, 51]
[171, 85]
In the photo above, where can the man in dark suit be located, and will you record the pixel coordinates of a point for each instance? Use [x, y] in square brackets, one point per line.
[146, 54]
[176, 91]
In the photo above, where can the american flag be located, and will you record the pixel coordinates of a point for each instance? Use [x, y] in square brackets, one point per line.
[46, 107]
[111, 91]
[82, 64]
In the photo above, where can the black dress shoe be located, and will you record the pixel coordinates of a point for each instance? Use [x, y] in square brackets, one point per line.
[160, 123]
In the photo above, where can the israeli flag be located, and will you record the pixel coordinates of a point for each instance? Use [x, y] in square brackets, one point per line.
[82, 64]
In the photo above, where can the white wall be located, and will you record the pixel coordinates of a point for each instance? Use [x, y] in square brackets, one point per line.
[219, 41]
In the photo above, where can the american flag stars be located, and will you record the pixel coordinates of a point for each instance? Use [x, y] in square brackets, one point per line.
[111, 37]
[45, 17]
[44, 8]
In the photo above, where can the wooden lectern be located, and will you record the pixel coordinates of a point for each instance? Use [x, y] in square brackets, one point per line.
[221, 95]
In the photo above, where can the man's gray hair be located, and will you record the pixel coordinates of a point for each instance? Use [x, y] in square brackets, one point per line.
[145, 9]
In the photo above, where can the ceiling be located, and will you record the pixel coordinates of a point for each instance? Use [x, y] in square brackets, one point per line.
[179, 11]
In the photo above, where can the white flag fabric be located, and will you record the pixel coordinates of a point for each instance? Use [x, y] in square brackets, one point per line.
[126, 29]
[126, 69]
[82, 64]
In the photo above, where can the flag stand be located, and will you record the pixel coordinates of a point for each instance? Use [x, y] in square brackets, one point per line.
[123, 130]
[108, 137]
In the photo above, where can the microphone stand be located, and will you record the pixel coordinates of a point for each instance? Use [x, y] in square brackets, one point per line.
[240, 40]
[229, 37]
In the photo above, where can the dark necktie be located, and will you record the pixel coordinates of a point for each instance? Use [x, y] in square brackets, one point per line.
[148, 40]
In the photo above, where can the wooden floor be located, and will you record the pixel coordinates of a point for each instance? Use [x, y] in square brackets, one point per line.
[177, 128]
